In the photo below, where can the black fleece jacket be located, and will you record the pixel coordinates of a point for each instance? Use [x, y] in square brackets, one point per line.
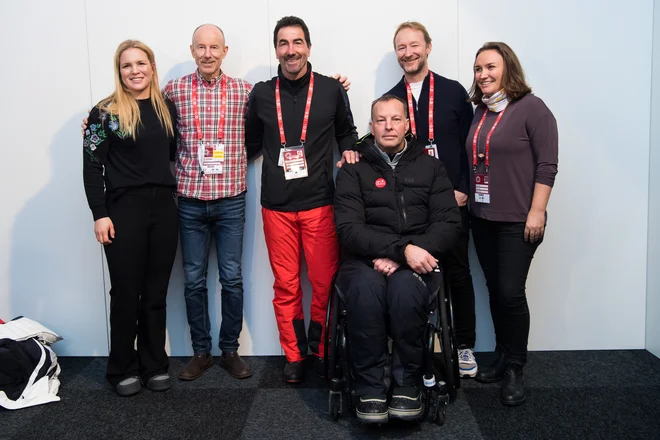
[380, 210]
[330, 123]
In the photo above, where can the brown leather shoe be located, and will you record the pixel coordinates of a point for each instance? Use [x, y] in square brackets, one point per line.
[236, 366]
[196, 367]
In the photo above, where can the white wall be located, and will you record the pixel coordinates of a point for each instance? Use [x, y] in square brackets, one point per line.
[653, 286]
[50, 268]
[587, 286]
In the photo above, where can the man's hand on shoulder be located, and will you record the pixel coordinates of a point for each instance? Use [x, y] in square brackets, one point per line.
[349, 156]
[345, 82]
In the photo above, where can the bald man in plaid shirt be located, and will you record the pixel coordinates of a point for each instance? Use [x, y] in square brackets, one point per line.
[210, 172]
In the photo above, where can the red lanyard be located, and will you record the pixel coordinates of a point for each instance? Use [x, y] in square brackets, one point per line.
[223, 108]
[411, 111]
[308, 105]
[490, 133]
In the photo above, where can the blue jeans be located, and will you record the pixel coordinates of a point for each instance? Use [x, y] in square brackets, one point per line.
[200, 221]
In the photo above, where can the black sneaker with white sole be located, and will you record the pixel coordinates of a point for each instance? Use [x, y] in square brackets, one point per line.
[406, 403]
[372, 409]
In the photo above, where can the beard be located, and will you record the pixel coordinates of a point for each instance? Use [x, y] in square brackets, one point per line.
[412, 69]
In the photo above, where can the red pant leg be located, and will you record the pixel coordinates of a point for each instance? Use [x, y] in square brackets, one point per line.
[282, 235]
[319, 239]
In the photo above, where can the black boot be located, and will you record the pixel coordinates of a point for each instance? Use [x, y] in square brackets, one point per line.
[512, 392]
[294, 372]
[493, 372]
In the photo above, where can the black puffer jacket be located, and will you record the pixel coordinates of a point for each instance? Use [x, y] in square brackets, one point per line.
[378, 210]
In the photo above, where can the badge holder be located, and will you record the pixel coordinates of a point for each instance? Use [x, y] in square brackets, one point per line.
[211, 158]
[431, 149]
[294, 162]
[482, 188]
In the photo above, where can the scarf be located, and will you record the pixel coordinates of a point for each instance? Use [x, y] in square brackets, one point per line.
[496, 102]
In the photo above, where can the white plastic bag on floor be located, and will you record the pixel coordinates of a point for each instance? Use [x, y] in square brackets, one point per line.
[28, 367]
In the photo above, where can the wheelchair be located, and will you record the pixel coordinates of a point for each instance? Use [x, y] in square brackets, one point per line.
[441, 376]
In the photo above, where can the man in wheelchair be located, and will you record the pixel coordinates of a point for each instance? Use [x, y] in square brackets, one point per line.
[396, 216]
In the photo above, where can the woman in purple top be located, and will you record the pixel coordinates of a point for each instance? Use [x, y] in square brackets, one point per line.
[513, 152]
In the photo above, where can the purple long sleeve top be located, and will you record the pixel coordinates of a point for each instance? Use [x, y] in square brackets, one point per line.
[524, 150]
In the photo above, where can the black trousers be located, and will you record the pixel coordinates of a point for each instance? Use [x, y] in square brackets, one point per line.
[140, 261]
[377, 307]
[457, 268]
[505, 258]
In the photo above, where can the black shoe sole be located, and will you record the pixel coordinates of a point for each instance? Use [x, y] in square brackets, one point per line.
[293, 381]
[513, 402]
[128, 390]
[410, 415]
[162, 386]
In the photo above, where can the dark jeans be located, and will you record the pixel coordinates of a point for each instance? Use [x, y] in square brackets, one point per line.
[377, 307]
[201, 221]
[457, 268]
[140, 261]
[505, 258]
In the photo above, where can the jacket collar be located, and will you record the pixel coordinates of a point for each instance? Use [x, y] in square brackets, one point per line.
[367, 146]
[298, 83]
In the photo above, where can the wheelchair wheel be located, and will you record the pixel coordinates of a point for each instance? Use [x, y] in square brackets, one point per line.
[345, 365]
[452, 336]
[448, 345]
[335, 406]
[332, 337]
[441, 415]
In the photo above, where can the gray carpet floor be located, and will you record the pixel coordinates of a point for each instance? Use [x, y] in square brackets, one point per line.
[570, 395]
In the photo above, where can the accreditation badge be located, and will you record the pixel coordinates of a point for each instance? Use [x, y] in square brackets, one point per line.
[431, 150]
[211, 157]
[294, 162]
[481, 188]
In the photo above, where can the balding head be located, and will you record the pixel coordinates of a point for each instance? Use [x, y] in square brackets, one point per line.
[208, 49]
[208, 28]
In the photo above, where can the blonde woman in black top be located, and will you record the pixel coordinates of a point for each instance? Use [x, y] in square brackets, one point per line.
[127, 148]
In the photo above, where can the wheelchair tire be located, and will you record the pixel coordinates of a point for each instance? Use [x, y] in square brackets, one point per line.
[335, 404]
[441, 415]
[331, 337]
[449, 354]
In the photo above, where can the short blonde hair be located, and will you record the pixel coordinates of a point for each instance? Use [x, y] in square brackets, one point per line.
[414, 25]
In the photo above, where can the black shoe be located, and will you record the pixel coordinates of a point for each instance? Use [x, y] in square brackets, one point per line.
[371, 409]
[319, 367]
[159, 382]
[493, 372]
[129, 386]
[512, 392]
[406, 403]
[294, 372]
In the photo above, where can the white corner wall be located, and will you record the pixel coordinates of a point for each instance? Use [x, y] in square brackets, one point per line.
[587, 287]
[653, 269]
[587, 284]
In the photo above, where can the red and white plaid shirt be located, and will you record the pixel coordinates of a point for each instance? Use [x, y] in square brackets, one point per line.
[191, 182]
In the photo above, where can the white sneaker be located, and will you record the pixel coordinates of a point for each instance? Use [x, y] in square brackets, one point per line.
[467, 364]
